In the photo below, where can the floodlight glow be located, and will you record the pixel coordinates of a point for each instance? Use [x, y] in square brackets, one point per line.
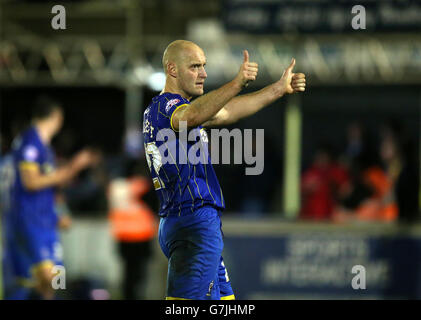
[156, 81]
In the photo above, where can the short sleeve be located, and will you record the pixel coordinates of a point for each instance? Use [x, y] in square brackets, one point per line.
[29, 156]
[169, 108]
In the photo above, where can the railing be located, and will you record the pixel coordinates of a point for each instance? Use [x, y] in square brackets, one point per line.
[327, 60]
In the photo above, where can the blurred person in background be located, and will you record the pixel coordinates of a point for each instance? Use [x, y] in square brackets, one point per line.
[373, 200]
[191, 200]
[376, 197]
[133, 225]
[355, 141]
[402, 165]
[322, 185]
[359, 158]
[358, 145]
[32, 245]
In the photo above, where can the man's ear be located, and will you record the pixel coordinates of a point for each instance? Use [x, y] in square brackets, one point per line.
[172, 69]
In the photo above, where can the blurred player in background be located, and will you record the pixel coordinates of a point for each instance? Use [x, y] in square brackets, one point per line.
[32, 245]
[191, 199]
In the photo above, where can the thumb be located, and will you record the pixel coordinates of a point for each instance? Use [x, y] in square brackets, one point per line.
[246, 56]
[291, 66]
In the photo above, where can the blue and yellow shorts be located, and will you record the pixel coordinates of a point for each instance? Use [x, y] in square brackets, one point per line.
[26, 251]
[193, 245]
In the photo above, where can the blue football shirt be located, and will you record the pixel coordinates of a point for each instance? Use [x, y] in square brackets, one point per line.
[181, 169]
[32, 208]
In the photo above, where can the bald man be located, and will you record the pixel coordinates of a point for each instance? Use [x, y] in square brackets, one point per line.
[191, 200]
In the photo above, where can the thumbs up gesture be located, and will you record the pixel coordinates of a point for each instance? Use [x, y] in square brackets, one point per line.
[292, 82]
[248, 70]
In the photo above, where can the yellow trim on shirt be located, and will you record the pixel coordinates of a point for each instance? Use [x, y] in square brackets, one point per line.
[231, 297]
[172, 115]
[175, 298]
[24, 165]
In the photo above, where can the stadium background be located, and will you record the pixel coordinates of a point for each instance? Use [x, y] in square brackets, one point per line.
[106, 66]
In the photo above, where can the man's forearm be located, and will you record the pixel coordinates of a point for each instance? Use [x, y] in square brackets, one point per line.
[41, 181]
[248, 104]
[206, 106]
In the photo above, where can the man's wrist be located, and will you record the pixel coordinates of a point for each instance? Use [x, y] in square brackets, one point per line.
[278, 90]
[69, 172]
[237, 84]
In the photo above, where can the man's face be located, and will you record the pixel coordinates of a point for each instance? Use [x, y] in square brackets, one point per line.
[191, 72]
[57, 120]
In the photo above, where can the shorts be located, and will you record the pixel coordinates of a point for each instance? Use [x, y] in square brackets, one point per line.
[27, 250]
[193, 245]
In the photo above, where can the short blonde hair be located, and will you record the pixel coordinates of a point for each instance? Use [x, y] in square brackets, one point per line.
[172, 51]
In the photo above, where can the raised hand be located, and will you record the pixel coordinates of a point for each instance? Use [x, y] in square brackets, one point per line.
[248, 70]
[84, 159]
[292, 82]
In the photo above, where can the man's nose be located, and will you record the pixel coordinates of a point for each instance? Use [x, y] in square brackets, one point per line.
[203, 73]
